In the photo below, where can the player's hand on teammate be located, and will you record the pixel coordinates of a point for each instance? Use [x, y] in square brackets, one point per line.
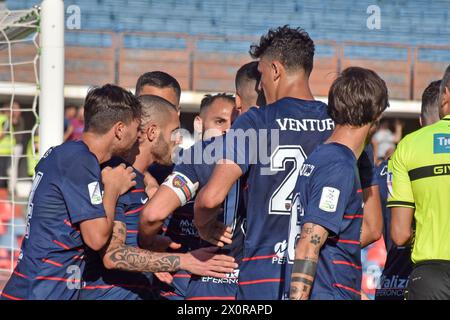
[216, 233]
[151, 185]
[120, 179]
[205, 262]
[164, 277]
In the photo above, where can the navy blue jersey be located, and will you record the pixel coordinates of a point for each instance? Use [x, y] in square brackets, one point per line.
[367, 171]
[189, 175]
[66, 190]
[330, 195]
[398, 264]
[277, 140]
[104, 284]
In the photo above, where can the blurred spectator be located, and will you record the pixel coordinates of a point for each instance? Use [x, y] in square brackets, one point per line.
[70, 112]
[7, 143]
[32, 158]
[77, 124]
[385, 139]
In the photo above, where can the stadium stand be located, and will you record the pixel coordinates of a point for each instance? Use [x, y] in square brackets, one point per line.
[180, 35]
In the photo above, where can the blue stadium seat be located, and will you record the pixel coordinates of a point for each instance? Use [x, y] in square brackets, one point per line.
[409, 22]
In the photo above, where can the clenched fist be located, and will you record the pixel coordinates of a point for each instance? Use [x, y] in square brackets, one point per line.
[120, 179]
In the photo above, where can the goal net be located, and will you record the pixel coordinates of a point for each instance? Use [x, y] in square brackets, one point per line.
[19, 91]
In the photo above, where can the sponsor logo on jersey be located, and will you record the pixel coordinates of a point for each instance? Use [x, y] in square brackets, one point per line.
[441, 143]
[306, 169]
[95, 193]
[280, 250]
[231, 278]
[187, 227]
[329, 199]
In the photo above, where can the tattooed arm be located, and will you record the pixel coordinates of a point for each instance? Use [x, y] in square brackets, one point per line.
[204, 262]
[312, 237]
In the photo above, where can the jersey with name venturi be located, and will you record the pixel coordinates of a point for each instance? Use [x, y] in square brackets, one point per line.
[66, 190]
[190, 174]
[104, 284]
[277, 140]
[328, 193]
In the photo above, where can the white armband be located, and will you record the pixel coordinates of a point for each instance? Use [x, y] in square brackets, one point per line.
[182, 186]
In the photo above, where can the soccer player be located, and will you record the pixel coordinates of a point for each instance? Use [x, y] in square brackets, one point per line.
[285, 63]
[328, 252]
[119, 271]
[180, 227]
[163, 85]
[248, 90]
[398, 264]
[216, 114]
[419, 170]
[160, 84]
[72, 203]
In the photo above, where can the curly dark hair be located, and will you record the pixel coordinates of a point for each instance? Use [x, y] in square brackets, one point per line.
[357, 97]
[291, 46]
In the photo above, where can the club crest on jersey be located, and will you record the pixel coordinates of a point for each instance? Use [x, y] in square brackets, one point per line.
[329, 199]
[178, 182]
[95, 193]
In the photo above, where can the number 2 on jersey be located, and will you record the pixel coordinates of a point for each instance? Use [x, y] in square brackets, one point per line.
[281, 200]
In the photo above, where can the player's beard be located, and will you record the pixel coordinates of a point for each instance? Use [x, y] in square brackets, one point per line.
[162, 152]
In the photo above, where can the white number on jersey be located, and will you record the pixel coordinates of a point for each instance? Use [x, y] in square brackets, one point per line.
[281, 200]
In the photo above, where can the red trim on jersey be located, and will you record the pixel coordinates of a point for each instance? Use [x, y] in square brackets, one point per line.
[211, 298]
[349, 241]
[345, 241]
[20, 274]
[347, 263]
[134, 211]
[137, 190]
[78, 257]
[346, 288]
[359, 190]
[259, 257]
[62, 245]
[52, 262]
[355, 216]
[56, 279]
[10, 297]
[243, 283]
[132, 231]
[164, 229]
[67, 222]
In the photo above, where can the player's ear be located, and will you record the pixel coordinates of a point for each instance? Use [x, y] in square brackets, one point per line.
[152, 132]
[445, 103]
[238, 101]
[119, 130]
[277, 69]
[198, 124]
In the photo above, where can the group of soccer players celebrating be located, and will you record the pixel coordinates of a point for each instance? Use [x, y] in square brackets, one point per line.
[274, 201]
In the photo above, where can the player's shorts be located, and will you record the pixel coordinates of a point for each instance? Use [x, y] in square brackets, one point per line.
[429, 280]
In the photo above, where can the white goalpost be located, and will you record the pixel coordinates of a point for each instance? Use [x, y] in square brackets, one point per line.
[32, 71]
[51, 98]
